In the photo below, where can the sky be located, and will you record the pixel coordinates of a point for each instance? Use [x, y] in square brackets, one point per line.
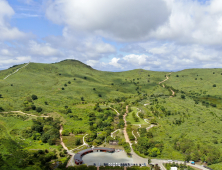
[113, 35]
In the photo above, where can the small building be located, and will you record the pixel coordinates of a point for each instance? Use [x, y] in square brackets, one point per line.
[114, 142]
[173, 168]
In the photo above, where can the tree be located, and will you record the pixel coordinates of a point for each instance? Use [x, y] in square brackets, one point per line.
[0, 95]
[77, 141]
[94, 88]
[183, 96]
[1, 109]
[65, 85]
[82, 98]
[149, 161]
[214, 85]
[1, 161]
[177, 75]
[63, 88]
[99, 95]
[34, 97]
[69, 82]
[38, 109]
[33, 107]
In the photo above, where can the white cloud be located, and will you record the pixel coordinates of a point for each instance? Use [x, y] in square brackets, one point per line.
[42, 49]
[191, 22]
[8, 62]
[138, 60]
[125, 20]
[6, 32]
[114, 62]
[92, 63]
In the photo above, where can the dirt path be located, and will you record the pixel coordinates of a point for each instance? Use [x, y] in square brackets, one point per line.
[16, 71]
[173, 93]
[115, 110]
[62, 143]
[25, 113]
[124, 130]
[114, 132]
[134, 137]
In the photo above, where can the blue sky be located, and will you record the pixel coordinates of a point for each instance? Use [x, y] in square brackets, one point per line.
[113, 35]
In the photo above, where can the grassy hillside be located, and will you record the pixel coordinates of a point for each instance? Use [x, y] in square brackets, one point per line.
[188, 125]
[63, 84]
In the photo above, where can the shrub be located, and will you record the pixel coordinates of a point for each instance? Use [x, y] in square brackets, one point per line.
[33, 107]
[214, 85]
[65, 133]
[65, 85]
[69, 82]
[183, 96]
[99, 95]
[63, 88]
[38, 109]
[34, 97]
[1, 109]
[177, 75]
[77, 141]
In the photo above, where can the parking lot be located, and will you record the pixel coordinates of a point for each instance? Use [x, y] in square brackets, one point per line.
[104, 157]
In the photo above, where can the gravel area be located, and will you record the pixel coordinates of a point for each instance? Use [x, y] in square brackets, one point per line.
[103, 157]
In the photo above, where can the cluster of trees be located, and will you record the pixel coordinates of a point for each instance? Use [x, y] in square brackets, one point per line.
[29, 104]
[149, 146]
[16, 157]
[44, 129]
[129, 132]
[196, 152]
[136, 119]
[100, 125]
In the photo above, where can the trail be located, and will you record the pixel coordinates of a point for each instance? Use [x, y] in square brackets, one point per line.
[124, 130]
[134, 137]
[16, 71]
[24, 113]
[173, 93]
[114, 132]
[115, 111]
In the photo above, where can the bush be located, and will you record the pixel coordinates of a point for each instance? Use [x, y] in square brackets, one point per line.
[38, 109]
[1, 109]
[34, 97]
[214, 85]
[99, 95]
[63, 88]
[183, 96]
[78, 141]
[65, 133]
[33, 107]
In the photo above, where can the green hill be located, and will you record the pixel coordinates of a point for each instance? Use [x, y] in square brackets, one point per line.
[187, 127]
[64, 83]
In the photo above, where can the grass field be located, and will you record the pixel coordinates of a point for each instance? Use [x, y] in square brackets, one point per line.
[130, 118]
